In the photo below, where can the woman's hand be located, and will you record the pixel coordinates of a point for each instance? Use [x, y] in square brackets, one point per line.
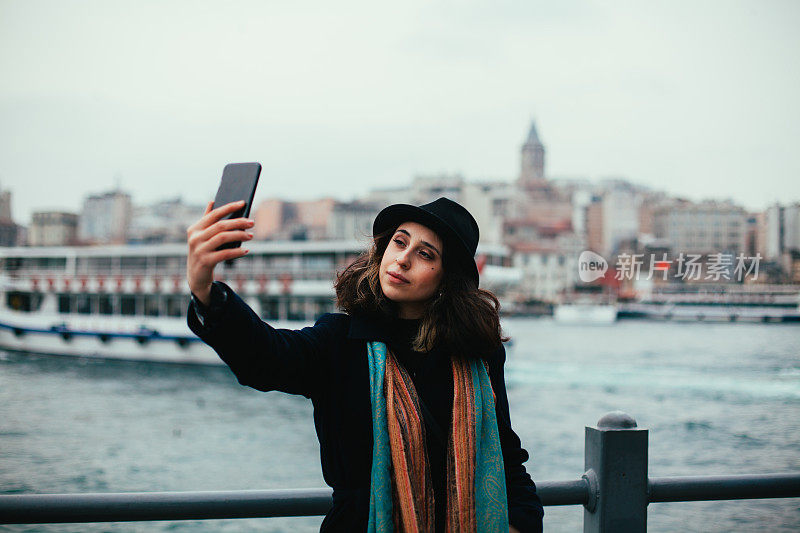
[204, 237]
[512, 529]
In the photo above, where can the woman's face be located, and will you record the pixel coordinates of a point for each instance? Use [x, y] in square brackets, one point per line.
[411, 268]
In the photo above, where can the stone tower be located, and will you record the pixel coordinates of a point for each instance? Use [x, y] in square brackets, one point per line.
[531, 172]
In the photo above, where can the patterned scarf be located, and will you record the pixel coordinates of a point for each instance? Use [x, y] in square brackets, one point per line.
[401, 492]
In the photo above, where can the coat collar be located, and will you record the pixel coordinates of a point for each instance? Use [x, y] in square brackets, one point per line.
[369, 326]
[375, 327]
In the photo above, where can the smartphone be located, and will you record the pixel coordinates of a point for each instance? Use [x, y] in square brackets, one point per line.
[238, 182]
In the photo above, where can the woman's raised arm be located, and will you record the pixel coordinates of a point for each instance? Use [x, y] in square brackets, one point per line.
[259, 355]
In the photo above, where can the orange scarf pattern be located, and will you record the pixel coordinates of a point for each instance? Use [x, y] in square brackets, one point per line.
[412, 490]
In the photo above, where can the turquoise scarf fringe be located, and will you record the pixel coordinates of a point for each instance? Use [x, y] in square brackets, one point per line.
[491, 503]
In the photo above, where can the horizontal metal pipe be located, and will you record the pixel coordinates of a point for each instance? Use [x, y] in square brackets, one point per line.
[563, 492]
[144, 506]
[736, 487]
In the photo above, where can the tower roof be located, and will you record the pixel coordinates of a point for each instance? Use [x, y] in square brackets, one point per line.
[533, 136]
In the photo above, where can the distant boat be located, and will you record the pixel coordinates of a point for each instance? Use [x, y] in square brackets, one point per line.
[130, 302]
[720, 303]
[585, 312]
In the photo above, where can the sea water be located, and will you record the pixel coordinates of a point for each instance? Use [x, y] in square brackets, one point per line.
[716, 398]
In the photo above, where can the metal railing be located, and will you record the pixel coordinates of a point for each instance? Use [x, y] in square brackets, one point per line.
[615, 492]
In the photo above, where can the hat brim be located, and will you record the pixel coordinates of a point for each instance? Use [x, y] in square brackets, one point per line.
[394, 215]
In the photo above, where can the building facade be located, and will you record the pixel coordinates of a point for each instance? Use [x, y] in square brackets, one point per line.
[549, 269]
[53, 228]
[620, 219]
[9, 231]
[283, 220]
[705, 228]
[164, 221]
[352, 220]
[105, 218]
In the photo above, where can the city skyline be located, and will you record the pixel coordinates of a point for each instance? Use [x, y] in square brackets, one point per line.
[695, 100]
[600, 186]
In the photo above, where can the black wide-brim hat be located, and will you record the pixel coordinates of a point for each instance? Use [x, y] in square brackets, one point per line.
[450, 220]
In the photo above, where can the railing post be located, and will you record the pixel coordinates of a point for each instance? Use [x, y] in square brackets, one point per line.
[615, 458]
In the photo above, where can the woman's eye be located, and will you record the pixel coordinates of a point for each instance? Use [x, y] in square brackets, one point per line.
[399, 242]
[426, 255]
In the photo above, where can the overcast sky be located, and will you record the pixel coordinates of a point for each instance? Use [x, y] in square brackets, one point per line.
[335, 98]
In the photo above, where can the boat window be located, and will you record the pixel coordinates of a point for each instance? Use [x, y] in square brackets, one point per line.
[241, 263]
[82, 265]
[23, 301]
[105, 304]
[100, 264]
[172, 263]
[64, 303]
[176, 305]
[83, 304]
[269, 308]
[282, 262]
[35, 263]
[127, 304]
[318, 261]
[54, 263]
[318, 266]
[320, 306]
[138, 264]
[151, 307]
[297, 309]
[257, 260]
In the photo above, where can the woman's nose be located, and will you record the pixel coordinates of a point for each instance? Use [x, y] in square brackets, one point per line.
[402, 258]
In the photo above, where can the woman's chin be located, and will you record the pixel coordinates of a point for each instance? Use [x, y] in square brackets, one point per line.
[394, 294]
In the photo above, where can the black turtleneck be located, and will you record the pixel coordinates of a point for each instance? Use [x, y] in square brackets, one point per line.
[433, 380]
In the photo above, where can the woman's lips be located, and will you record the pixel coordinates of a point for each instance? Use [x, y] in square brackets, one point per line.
[397, 278]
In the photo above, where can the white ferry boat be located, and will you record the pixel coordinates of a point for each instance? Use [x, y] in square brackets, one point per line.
[718, 303]
[130, 302]
[585, 312]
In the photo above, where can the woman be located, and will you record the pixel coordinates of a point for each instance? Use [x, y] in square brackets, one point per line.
[410, 405]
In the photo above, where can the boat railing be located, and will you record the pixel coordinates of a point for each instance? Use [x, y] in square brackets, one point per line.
[253, 273]
[615, 492]
[727, 299]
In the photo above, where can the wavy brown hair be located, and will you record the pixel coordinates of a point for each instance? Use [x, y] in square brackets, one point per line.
[462, 318]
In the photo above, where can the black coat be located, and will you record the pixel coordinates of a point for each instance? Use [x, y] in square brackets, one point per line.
[328, 364]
